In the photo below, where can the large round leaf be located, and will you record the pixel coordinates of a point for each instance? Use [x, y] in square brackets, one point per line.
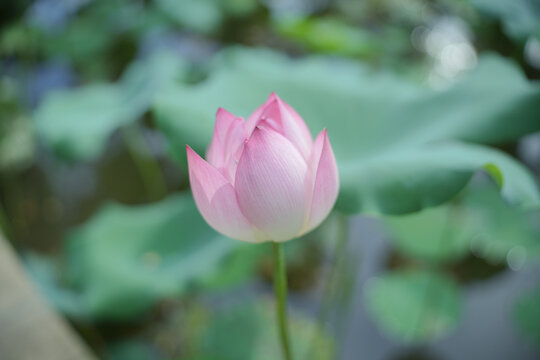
[479, 221]
[503, 233]
[126, 258]
[414, 305]
[410, 179]
[436, 234]
[76, 123]
[388, 135]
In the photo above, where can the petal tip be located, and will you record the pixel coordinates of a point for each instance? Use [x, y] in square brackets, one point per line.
[273, 102]
[257, 133]
[254, 134]
[190, 153]
[222, 112]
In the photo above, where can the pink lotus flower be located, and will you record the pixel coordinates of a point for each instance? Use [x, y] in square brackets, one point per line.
[264, 179]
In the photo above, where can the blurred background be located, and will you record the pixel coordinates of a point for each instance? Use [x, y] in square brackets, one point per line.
[433, 110]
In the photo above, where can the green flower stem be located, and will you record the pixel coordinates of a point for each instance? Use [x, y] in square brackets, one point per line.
[280, 289]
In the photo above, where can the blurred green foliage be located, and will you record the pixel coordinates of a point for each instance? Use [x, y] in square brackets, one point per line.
[527, 315]
[478, 221]
[406, 145]
[503, 233]
[415, 305]
[434, 242]
[17, 142]
[332, 36]
[520, 18]
[77, 123]
[205, 16]
[99, 42]
[435, 234]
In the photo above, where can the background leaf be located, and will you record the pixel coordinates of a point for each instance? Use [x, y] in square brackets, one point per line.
[199, 15]
[204, 16]
[478, 221]
[330, 36]
[520, 18]
[386, 136]
[76, 123]
[435, 234]
[527, 315]
[398, 182]
[126, 258]
[414, 305]
[17, 140]
[503, 233]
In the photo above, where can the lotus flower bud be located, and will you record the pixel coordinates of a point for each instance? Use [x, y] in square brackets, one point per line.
[264, 179]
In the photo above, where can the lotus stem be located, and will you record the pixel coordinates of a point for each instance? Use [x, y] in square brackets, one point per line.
[280, 290]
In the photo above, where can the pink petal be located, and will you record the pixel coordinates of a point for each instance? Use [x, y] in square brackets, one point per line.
[326, 180]
[215, 154]
[216, 199]
[256, 115]
[270, 185]
[225, 148]
[282, 118]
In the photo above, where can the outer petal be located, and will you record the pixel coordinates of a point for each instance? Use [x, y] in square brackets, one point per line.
[229, 136]
[256, 115]
[325, 180]
[285, 120]
[214, 153]
[270, 185]
[216, 199]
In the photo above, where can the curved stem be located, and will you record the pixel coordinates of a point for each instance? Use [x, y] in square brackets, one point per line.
[280, 289]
